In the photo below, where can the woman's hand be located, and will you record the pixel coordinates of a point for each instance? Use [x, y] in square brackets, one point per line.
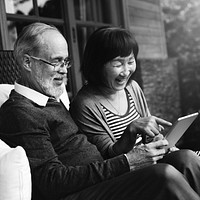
[149, 126]
[147, 154]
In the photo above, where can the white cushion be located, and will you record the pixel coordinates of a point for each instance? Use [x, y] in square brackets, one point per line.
[15, 176]
[5, 90]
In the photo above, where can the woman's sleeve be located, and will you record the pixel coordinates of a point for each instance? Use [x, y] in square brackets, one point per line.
[88, 117]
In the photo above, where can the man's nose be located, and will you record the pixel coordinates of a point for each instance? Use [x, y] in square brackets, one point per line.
[63, 69]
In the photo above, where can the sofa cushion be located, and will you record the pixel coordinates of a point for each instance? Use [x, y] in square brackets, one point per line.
[15, 176]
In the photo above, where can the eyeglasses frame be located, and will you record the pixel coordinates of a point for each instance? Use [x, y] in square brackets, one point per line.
[66, 62]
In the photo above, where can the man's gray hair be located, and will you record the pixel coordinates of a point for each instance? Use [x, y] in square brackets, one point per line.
[30, 41]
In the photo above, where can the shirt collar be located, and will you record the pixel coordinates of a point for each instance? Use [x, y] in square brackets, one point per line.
[38, 97]
[64, 98]
[31, 94]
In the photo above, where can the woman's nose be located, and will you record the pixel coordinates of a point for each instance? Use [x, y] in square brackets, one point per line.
[125, 70]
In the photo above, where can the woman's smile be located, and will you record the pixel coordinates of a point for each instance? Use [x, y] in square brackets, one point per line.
[121, 81]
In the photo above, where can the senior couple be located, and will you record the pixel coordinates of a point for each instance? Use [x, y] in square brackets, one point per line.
[98, 154]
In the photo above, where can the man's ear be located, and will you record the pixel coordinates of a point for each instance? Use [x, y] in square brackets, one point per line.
[26, 62]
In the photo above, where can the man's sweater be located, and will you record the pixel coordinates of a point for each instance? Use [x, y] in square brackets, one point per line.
[62, 161]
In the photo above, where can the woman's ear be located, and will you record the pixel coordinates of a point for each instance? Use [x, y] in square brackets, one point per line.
[27, 62]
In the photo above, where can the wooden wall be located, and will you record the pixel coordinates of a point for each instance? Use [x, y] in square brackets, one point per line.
[144, 18]
[159, 78]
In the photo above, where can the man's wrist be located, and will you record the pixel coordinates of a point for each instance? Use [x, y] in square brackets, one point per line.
[130, 166]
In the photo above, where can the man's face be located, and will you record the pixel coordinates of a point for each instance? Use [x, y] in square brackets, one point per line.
[44, 77]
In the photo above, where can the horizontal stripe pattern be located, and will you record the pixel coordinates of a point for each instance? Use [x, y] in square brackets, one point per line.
[197, 152]
[118, 123]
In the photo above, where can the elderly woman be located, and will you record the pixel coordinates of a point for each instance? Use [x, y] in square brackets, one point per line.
[112, 111]
[111, 107]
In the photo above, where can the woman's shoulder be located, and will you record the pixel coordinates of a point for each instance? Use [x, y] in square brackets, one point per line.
[133, 85]
[87, 95]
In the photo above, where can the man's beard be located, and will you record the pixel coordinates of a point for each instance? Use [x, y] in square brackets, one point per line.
[51, 90]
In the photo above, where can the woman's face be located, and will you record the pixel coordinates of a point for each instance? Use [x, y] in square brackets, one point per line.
[117, 72]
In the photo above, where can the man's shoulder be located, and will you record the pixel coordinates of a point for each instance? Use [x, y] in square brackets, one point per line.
[17, 104]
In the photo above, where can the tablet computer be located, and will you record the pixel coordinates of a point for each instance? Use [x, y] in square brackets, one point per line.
[179, 128]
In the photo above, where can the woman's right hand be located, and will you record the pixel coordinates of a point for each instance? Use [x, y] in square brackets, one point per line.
[150, 126]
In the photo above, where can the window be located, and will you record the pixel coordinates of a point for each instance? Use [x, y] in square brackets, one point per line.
[20, 13]
[76, 19]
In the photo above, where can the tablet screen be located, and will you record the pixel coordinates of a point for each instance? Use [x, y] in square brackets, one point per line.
[179, 128]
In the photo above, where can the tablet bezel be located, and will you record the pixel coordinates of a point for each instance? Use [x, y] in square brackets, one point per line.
[179, 128]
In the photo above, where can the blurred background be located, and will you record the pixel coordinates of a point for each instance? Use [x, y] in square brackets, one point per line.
[167, 31]
[182, 30]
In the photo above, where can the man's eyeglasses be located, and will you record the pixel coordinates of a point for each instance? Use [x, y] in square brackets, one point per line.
[57, 65]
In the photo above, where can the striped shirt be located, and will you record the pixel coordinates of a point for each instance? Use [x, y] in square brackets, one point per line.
[118, 123]
[197, 152]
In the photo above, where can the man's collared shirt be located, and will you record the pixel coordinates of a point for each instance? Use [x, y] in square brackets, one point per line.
[38, 97]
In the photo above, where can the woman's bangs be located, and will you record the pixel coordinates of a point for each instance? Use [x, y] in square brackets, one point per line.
[123, 47]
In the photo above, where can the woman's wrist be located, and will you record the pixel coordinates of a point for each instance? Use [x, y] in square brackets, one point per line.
[123, 145]
[126, 141]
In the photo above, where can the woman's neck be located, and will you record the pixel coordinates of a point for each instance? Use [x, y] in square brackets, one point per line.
[109, 93]
[114, 100]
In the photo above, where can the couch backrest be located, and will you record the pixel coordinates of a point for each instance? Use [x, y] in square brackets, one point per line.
[9, 70]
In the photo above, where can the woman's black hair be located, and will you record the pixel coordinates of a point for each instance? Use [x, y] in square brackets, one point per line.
[103, 45]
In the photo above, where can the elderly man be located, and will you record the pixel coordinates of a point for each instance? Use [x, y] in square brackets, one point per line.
[64, 165]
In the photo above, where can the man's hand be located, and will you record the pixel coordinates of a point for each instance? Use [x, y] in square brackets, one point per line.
[147, 154]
